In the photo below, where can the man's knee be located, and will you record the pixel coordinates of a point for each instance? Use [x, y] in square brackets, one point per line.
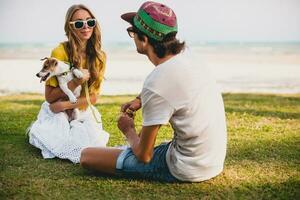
[85, 157]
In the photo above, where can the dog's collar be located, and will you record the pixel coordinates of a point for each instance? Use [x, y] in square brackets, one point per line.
[71, 66]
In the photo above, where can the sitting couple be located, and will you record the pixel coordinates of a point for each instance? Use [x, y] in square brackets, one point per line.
[177, 91]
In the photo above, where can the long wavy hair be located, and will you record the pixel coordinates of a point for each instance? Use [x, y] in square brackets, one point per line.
[93, 47]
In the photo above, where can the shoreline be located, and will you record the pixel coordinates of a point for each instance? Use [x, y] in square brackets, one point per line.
[237, 68]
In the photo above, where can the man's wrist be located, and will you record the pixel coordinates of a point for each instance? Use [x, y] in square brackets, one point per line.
[129, 132]
[131, 136]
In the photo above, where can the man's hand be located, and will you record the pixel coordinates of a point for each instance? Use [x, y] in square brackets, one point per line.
[126, 124]
[133, 105]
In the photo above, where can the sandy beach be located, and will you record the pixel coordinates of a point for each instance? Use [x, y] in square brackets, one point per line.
[251, 68]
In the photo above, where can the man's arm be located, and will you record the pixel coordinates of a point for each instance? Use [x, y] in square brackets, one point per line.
[143, 144]
[133, 105]
[143, 148]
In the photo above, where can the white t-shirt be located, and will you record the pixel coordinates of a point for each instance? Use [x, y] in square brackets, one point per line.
[183, 93]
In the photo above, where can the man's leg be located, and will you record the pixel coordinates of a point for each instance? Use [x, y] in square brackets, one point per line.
[102, 159]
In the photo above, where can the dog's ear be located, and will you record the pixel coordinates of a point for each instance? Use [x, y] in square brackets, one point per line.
[44, 58]
[53, 62]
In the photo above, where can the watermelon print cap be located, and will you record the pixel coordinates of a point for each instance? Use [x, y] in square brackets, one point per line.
[153, 19]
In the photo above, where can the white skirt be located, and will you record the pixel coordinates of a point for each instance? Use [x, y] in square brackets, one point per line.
[57, 137]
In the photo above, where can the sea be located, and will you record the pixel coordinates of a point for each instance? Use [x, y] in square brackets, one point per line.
[238, 67]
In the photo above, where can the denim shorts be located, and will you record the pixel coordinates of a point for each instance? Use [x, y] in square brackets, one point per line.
[157, 169]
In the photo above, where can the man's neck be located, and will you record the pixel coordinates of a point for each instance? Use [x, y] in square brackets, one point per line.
[156, 60]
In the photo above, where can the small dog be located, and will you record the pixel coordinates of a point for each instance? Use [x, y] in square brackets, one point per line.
[64, 73]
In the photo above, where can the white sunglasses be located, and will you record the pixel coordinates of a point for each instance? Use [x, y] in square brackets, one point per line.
[79, 24]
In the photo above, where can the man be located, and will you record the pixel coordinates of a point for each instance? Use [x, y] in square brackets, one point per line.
[178, 91]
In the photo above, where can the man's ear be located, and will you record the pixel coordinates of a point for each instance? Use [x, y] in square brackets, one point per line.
[145, 41]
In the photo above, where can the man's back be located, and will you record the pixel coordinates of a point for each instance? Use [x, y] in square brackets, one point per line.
[183, 93]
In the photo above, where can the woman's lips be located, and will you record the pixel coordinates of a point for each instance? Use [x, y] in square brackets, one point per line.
[85, 32]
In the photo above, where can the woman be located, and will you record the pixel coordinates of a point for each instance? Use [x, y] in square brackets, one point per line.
[52, 132]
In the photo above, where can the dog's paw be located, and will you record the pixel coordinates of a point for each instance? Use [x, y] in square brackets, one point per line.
[73, 99]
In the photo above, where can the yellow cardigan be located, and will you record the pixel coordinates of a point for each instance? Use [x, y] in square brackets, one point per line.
[60, 54]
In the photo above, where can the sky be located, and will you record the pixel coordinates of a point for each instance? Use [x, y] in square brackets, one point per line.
[42, 21]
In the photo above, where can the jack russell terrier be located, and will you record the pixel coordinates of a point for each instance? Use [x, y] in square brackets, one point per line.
[64, 73]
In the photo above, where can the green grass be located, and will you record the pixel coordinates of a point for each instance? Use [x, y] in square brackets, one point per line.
[263, 157]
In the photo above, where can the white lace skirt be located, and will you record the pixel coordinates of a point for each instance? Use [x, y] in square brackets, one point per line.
[56, 137]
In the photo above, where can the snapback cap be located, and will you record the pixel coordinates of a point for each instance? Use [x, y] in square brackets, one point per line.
[155, 20]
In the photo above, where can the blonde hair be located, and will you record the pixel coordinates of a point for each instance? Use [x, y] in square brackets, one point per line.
[93, 47]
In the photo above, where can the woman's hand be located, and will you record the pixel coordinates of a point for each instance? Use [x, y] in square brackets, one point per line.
[85, 77]
[57, 106]
[133, 105]
[125, 124]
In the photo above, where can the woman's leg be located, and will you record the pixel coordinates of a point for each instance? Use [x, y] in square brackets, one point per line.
[102, 159]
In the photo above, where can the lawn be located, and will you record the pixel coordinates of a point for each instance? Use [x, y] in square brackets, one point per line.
[263, 157]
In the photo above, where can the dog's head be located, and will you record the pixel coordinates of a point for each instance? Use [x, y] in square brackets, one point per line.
[49, 68]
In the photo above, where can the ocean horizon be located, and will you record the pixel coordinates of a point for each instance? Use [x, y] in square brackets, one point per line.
[262, 67]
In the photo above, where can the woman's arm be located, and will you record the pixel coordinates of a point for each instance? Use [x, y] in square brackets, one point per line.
[61, 106]
[52, 94]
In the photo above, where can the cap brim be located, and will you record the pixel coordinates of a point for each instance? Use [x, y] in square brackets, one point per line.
[128, 17]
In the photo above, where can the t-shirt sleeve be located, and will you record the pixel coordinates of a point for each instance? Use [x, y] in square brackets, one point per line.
[156, 110]
[60, 54]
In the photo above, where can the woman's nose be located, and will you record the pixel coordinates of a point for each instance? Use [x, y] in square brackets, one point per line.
[85, 25]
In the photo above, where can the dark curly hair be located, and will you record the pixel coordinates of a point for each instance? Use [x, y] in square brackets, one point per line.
[168, 46]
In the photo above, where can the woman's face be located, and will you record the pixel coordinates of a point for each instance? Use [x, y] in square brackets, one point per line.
[85, 32]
